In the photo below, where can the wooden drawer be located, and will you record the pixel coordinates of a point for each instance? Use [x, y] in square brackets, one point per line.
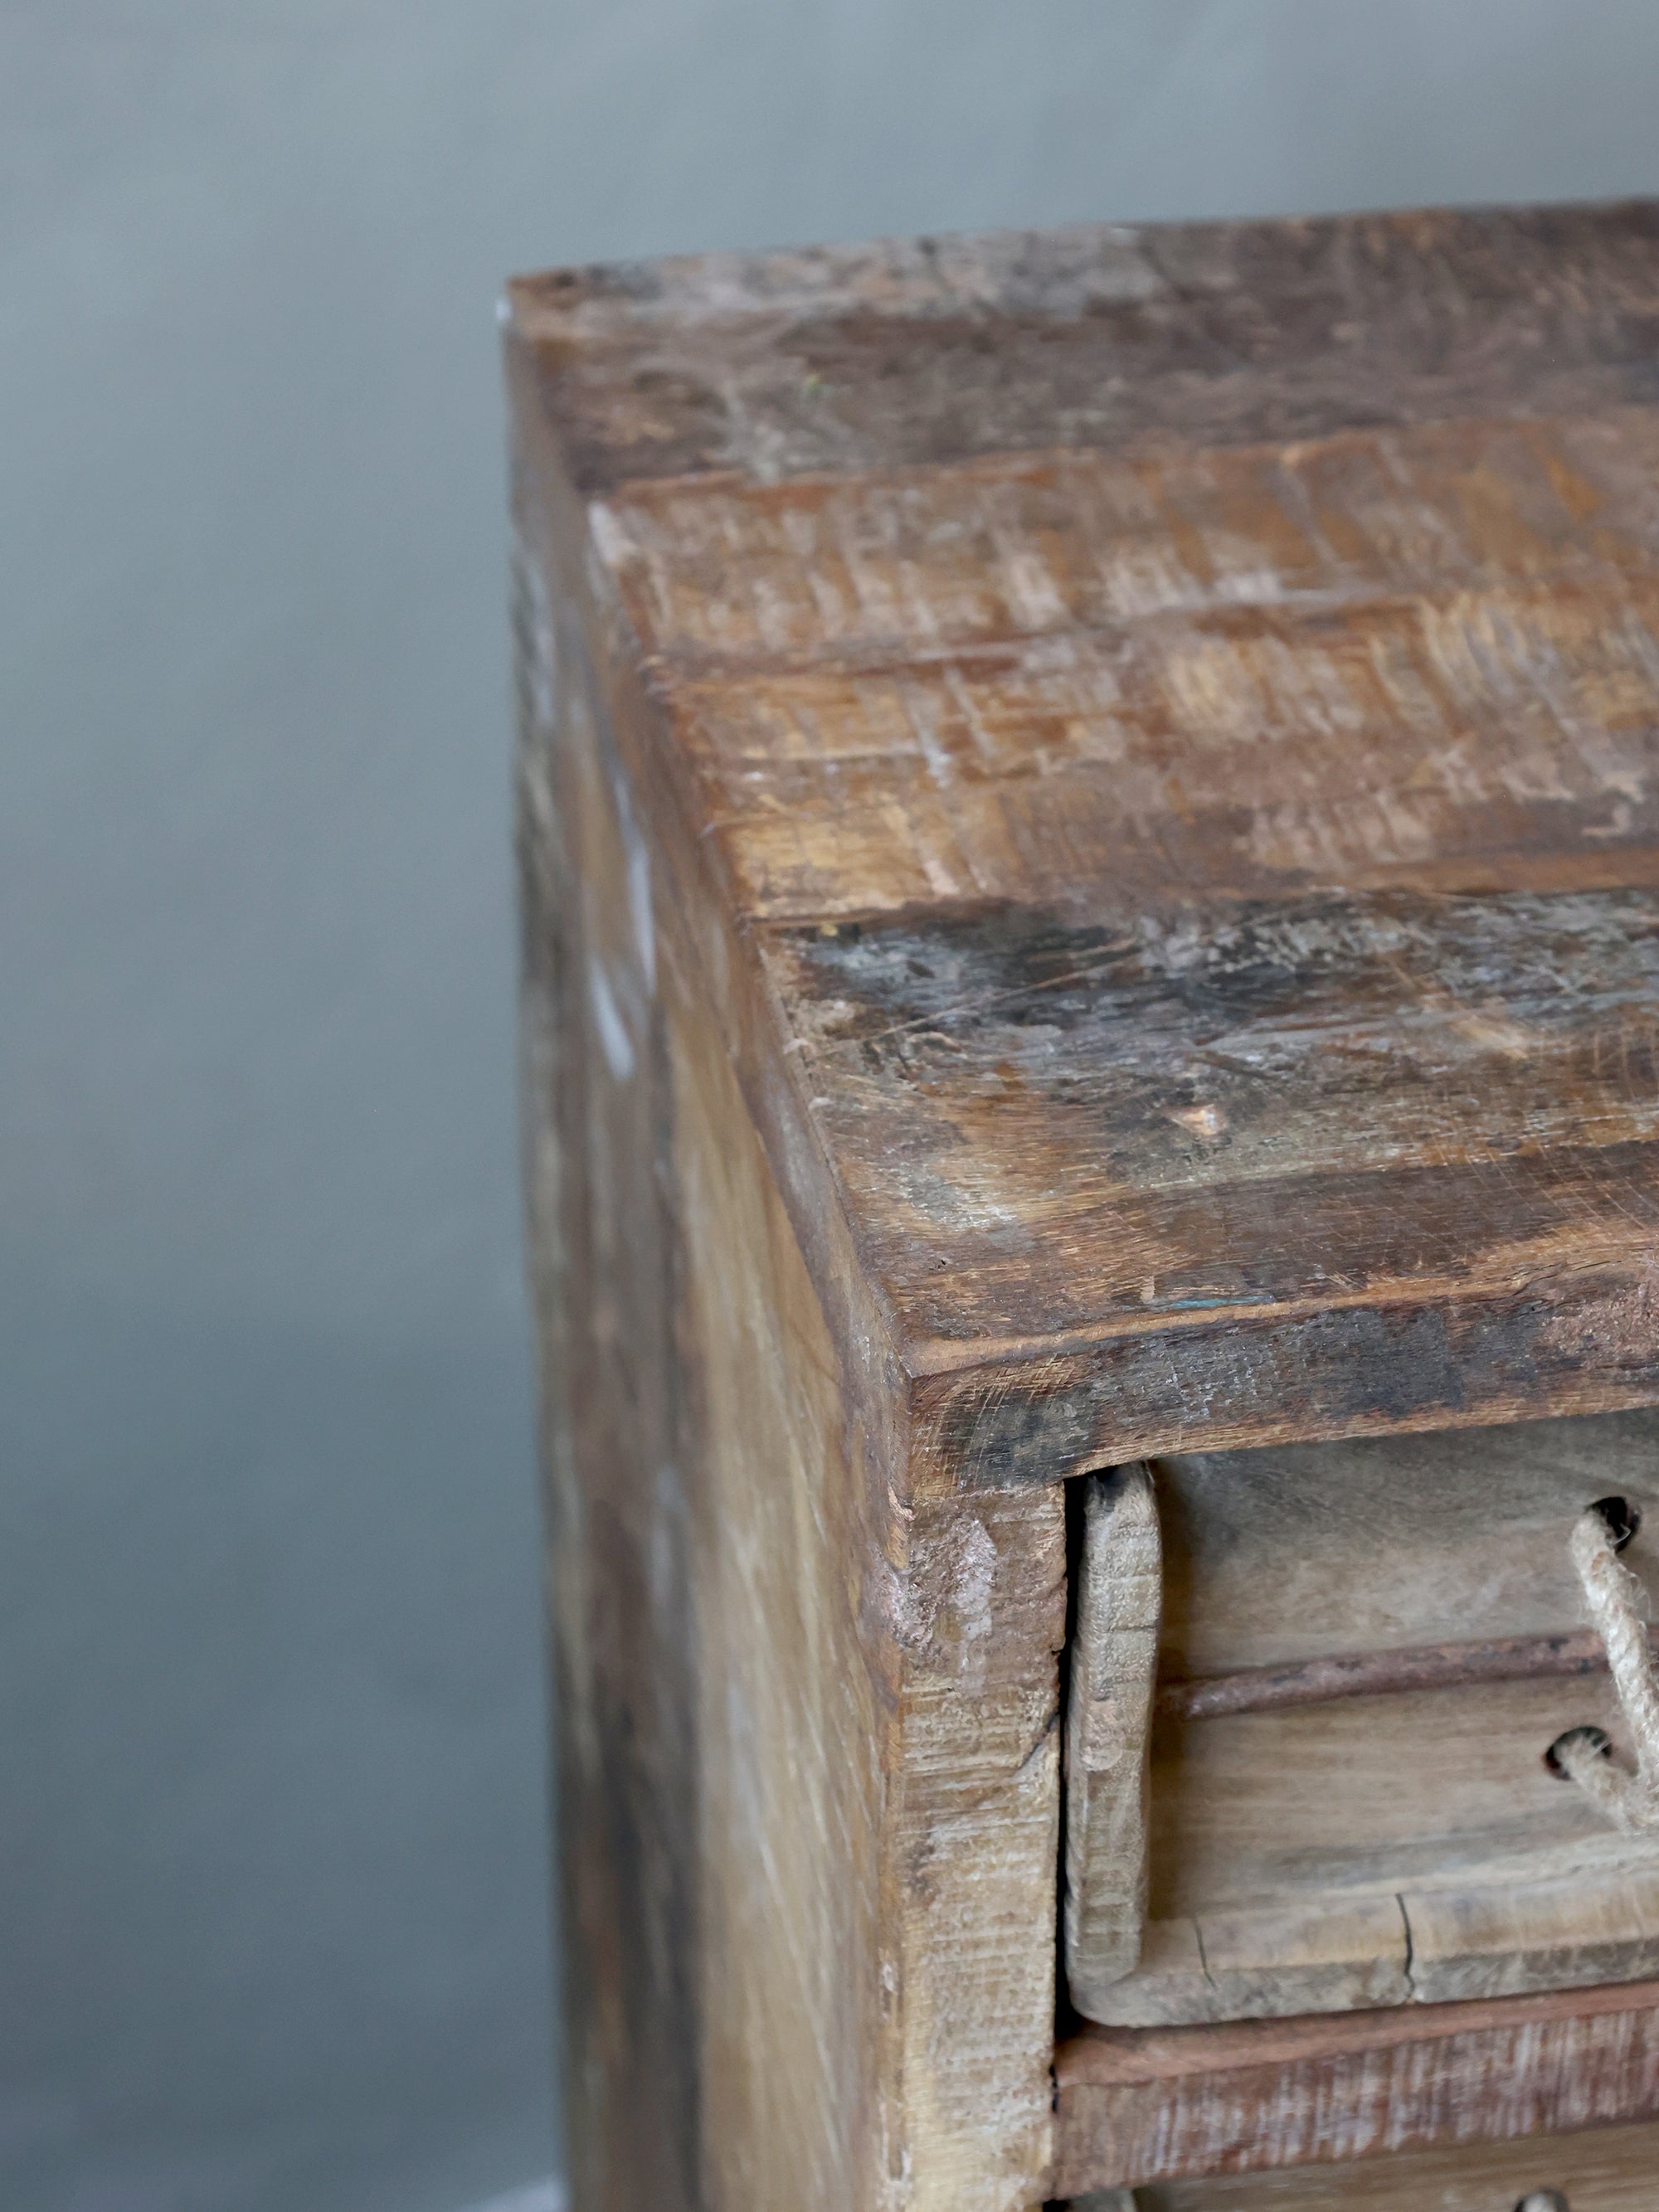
[1090, 823]
[1364, 1653]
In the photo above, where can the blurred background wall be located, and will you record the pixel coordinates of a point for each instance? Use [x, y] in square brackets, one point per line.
[272, 1923]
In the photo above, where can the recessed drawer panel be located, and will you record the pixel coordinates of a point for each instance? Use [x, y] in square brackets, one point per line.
[1312, 1694]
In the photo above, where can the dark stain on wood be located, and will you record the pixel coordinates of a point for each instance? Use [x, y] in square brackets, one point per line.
[1173, 716]
[1245, 1378]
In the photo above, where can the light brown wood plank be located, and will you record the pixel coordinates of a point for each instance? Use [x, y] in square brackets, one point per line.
[787, 1724]
[1109, 1732]
[1309, 1552]
[1180, 2103]
[930, 564]
[1473, 1933]
[1313, 1951]
[603, 1259]
[1478, 1938]
[1385, 1793]
[1598, 2170]
[978, 1851]
[1245, 747]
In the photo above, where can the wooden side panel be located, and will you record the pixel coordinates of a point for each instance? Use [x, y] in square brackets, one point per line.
[1189, 2102]
[791, 1747]
[722, 1779]
[605, 1261]
[1598, 2170]
[979, 1846]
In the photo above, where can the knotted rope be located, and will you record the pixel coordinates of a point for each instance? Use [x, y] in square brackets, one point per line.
[1618, 1611]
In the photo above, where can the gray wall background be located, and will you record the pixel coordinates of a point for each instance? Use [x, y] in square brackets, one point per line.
[272, 1927]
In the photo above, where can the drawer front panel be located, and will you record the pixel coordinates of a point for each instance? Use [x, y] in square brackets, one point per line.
[1308, 1849]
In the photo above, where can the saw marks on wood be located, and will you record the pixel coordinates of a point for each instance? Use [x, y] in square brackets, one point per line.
[1174, 716]
[1185, 2102]
[1599, 2170]
[977, 1850]
[736, 577]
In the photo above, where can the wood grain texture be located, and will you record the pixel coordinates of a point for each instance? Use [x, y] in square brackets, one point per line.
[716, 1560]
[867, 358]
[604, 1268]
[1311, 1553]
[1349, 1162]
[1310, 1950]
[1388, 1793]
[1175, 715]
[1504, 1938]
[1570, 1654]
[1467, 1931]
[1109, 1732]
[1092, 839]
[809, 1748]
[1182, 2103]
[1598, 2170]
[1347, 1850]
[978, 1849]
[787, 1721]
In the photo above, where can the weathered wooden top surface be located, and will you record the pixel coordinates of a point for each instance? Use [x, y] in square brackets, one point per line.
[1176, 713]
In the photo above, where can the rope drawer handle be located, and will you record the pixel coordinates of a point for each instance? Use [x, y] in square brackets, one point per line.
[1618, 1611]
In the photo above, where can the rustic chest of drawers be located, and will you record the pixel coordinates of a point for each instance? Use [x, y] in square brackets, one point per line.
[1089, 820]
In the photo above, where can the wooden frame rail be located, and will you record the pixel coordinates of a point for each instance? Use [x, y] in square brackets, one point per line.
[1146, 2105]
